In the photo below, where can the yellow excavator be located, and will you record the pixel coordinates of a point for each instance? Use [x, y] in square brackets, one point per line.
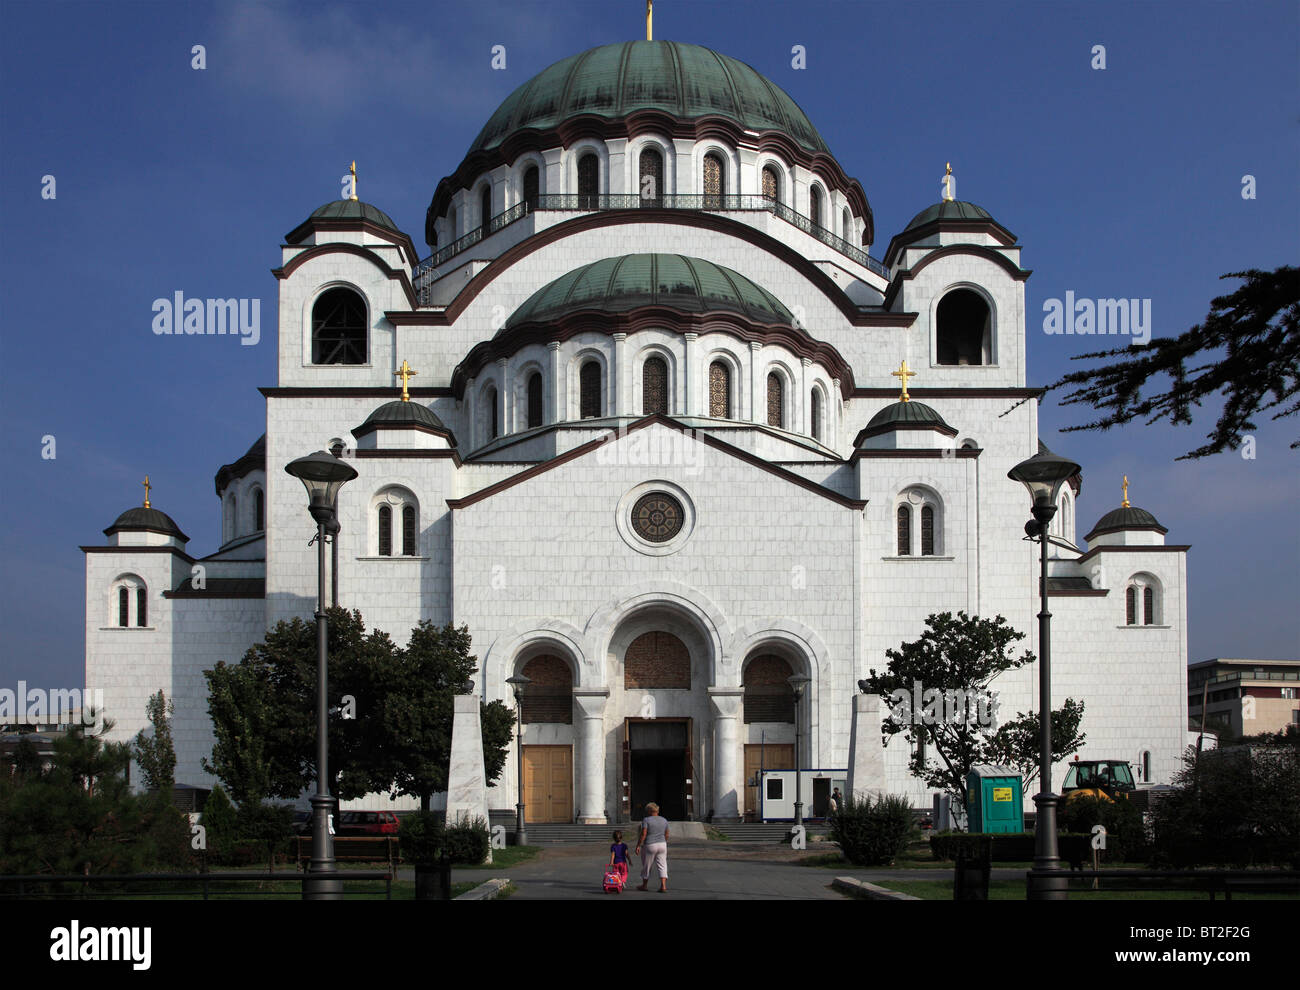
[1105, 780]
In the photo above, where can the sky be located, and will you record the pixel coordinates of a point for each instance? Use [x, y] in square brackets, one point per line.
[1120, 181]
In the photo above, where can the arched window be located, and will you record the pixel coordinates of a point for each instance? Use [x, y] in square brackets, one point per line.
[385, 531]
[259, 510]
[775, 400]
[1148, 606]
[846, 225]
[534, 399]
[1146, 766]
[926, 539]
[651, 187]
[485, 206]
[589, 400]
[532, 186]
[657, 660]
[815, 414]
[719, 390]
[768, 695]
[549, 697]
[1142, 604]
[1131, 605]
[491, 416]
[129, 597]
[588, 182]
[815, 205]
[123, 607]
[654, 386]
[715, 182]
[338, 328]
[408, 531]
[963, 329]
[904, 531]
[141, 607]
[771, 184]
[230, 520]
[927, 531]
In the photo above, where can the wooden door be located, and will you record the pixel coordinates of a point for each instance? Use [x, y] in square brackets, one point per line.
[548, 784]
[763, 757]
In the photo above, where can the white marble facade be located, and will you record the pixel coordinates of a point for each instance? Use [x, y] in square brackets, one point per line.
[789, 543]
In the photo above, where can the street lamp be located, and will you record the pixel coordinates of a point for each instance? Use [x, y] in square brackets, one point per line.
[1044, 474]
[797, 683]
[518, 683]
[322, 476]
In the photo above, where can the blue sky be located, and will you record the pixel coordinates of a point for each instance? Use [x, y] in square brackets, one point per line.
[1119, 182]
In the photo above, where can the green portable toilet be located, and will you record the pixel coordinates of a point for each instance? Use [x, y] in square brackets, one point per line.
[994, 801]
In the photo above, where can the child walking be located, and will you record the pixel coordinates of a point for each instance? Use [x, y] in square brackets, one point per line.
[618, 857]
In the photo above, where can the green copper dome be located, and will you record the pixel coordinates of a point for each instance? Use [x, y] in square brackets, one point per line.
[353, 209]
[684, 80]
[629, 281]
[907, 414]
[952, 209]
[1125, 517]
[399, 413]
[141, 519]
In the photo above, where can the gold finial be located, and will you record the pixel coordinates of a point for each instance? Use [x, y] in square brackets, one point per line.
[947, 184]
[405, 374]
[147, 486]
[903, 374]
[353, 170]
[1126, 505]
[649, 19]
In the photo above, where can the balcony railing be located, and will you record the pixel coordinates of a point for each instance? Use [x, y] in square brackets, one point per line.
[577, 202]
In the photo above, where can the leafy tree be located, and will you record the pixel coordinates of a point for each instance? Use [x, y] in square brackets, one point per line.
[156, 754]
[1016, 743]
[1249, 346]
[267, 825]
[221, 824]
[955, 660]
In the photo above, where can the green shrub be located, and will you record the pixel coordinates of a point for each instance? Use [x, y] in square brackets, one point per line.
[422, 837]
[873, 833]
[468, 843]
[268, 827]
[1125, 834]
[220, 822]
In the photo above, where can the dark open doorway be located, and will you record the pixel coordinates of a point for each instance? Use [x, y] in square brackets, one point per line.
[659, 767]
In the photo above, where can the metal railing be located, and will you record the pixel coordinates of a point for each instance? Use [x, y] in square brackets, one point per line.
[206, 885]
[578, 202]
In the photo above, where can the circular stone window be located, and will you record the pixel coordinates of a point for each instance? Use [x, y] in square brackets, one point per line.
[657, 517]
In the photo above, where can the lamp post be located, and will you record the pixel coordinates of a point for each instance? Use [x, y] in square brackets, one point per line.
[322, 476]
[518, 683]
[1043, 475]
[798, 682]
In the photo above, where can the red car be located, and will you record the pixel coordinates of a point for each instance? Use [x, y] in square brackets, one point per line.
[367, 823]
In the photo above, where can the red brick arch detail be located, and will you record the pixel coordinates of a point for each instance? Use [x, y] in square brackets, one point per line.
[657, 660]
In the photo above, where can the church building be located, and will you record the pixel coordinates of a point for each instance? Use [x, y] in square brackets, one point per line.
[657, 426]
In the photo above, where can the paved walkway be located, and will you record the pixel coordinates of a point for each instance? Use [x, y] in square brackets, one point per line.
[708, 871]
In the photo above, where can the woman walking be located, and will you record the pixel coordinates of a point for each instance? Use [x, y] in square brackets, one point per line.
[654, 840]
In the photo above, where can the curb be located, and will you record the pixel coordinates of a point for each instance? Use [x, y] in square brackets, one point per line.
[486, 891]
[869, 891]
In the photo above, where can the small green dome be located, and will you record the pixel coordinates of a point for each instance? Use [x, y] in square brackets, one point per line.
[354, 209]
[1125, 517]
[614, 81]
[902, 415]
[674, 281]
[955, 209]
[399, 413]
[140, 519]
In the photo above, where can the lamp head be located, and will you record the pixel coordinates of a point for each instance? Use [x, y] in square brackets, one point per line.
[322, 475]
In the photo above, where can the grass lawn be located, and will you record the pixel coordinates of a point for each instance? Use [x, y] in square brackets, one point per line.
[1014, 890]
[503, 859]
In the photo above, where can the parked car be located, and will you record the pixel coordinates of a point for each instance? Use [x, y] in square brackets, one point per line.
[367, 823]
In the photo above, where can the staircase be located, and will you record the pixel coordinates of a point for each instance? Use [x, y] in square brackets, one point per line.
[774, 833]
[769, 833]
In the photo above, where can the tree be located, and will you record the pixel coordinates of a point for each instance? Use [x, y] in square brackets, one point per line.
[155, 754]
[951, 667]
[1249, 344]
[221, 825]
[1016, 744]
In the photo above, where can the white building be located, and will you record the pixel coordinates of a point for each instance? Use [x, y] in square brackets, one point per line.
[654, 457]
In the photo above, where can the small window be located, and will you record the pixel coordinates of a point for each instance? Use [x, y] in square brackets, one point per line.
[588, 182]
[654, 387]
[123, 607]
[1148, 606]
[815, 205]
[408, 531]
[904, 531]
[534, 399]
[259, 511]
[715, 181]
[963, 329]
[847, 225]
[491, 415]
[775, 400]
[385, 531]
[815, 407]
[1146, 765]
[771, 184]
[485, 206]
[719, 390]
[1131, 605]
[532, 183]
[927, 531]
[338, 328]
[589, 391]
[775, 788]
[651, 188]
[141, 607]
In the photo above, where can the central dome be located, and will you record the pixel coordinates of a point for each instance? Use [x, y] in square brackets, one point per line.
[687, 81]
[629, 281]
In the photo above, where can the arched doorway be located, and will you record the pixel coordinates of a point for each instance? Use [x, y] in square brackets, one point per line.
[657, 751]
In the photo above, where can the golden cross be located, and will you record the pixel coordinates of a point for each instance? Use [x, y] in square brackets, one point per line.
[947, 184]
[1126, 505]
[147, 486]
[903, 374]
[353, 170]
[649, 19]
[405, 374]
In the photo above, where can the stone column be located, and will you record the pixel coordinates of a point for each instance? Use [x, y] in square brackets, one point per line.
[553, 172]
[557, 386]
[757, 386]
[505, 407]
[803, 401]
[618, 405]
[728, 772]
[589, 706]
[689, 377]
